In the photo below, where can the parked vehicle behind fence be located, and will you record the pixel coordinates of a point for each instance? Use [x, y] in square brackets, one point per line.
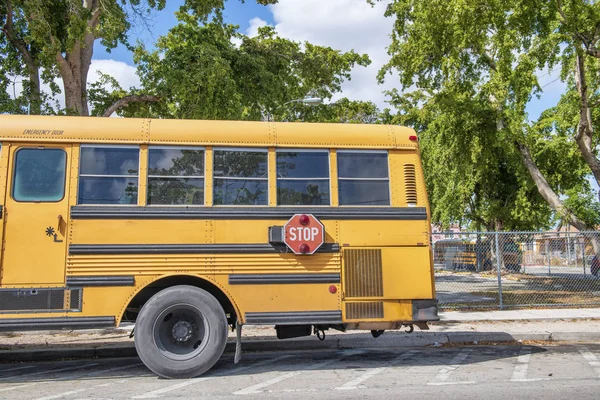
[477, 254]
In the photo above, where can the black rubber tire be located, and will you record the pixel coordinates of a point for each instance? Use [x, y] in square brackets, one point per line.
[214, 332]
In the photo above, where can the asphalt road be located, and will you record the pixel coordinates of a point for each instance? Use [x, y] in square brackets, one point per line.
[490, 372]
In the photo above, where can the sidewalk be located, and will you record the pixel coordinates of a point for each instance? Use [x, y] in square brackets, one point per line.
[524, 314]
[513, 326]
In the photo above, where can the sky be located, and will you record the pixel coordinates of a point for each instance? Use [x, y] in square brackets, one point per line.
[341, 24]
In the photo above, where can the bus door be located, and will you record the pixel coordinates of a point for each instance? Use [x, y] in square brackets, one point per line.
[35, 215]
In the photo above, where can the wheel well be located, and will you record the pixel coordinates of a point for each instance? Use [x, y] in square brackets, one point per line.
[135, 305]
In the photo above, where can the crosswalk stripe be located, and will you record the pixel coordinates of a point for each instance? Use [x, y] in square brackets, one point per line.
[590, 358]
[57, 396]
[356, 382]
[8, 389]
[445, 372]
[51, 371]
[522, 366]
[94, 373]
[27, 385]
[156, 393]
[254, 389]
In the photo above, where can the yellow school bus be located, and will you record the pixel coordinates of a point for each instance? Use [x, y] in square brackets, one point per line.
[178, 227]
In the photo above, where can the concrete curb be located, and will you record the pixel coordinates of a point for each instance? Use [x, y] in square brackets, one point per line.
[348, 341]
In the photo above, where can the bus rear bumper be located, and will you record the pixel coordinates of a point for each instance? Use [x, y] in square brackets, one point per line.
[425, 310]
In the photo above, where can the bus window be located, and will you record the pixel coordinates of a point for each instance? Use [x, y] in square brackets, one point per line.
[108, 175]
[39, 175]
[240, 177]
[303, 177]
[363, 178]
[176, 175]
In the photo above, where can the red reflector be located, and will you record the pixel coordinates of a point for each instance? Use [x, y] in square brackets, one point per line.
[412, 137]
[303, 219]
[304, 248]
[332, 289]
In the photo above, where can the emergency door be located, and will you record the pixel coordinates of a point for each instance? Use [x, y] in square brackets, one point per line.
[35, 216]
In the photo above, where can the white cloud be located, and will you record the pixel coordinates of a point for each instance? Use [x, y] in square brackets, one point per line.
[345, 25]
[237, 42]
[124, 73]
[255, 24]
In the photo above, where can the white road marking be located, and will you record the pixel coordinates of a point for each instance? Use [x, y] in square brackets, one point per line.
[7, 389]
[451, 383]
[590, 358]
[50, 371]
[102, 371]
[254, 389]
[521, 367]
[444, 372]
[156, 393]
[356, 382]
[57, 396]
[17, 368]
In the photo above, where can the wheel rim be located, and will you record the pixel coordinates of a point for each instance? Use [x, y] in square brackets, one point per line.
[181, 332]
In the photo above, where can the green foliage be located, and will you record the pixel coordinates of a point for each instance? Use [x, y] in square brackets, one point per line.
[473, 177]
[45, 39]
[469, 76]
[342, 111]
[201, 73]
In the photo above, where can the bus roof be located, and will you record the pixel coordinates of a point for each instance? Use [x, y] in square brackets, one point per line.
[21, 128]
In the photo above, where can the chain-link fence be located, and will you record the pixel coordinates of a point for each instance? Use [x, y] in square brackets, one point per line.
[516, 269]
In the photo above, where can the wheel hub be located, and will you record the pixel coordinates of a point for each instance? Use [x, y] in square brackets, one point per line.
[182, 331]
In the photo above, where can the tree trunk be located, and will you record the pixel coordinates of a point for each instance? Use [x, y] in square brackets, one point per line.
[125, 101]
[551, 197]
[74, 79]
[35, 96]
[75, 66]
[585, 128]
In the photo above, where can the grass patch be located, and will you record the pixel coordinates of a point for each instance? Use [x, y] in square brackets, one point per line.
[525, 297]
[559, 283]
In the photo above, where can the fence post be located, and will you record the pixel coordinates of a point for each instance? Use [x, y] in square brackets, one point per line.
[499, 268]
[583, 255]
[569, 250]
[548, 254]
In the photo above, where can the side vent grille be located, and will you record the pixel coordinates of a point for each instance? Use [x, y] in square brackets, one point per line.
[410, 184]
[366, 310]
[363, 274]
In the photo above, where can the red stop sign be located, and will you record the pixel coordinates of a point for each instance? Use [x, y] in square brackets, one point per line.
[303, 234]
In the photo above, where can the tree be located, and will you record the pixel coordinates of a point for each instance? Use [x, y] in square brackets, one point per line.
[342, 111]
[200, 73]
[473, 178]
[490, 53]
[44, 39]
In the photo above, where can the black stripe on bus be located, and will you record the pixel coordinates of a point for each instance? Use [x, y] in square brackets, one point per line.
[250, 248]
[267, 279]
[24, 324]
[294, 317]
[81, 281]
[248, 213]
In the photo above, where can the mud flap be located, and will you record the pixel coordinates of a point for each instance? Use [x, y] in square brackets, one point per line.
[238, 342]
